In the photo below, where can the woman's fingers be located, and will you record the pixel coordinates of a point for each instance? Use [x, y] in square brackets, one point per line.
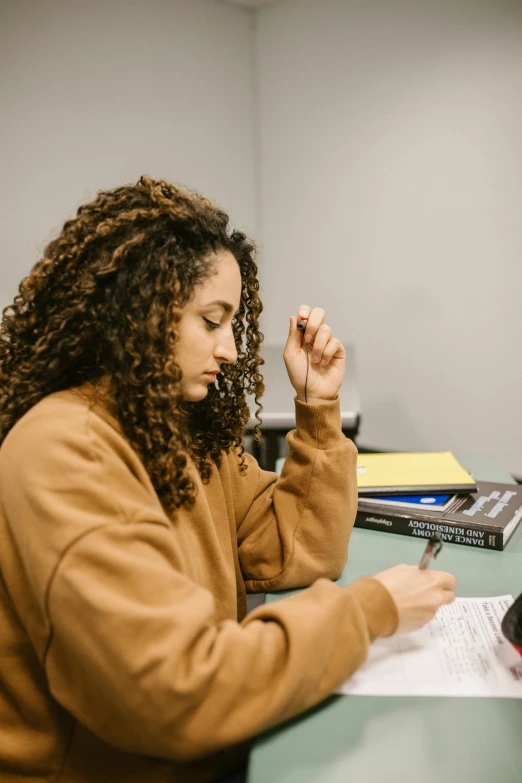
[417, 593]
[333, 348]
[315, 320]
[318, 335]
[322, 337]
[443, 579]
[325, 352]
[448, 596]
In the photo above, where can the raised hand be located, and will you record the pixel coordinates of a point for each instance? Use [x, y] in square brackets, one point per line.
[326, 360]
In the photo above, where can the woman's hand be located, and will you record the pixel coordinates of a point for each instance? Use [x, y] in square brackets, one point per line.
[327, 358]
[417, 593]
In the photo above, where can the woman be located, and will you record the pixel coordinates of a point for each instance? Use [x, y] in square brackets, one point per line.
[132, 522]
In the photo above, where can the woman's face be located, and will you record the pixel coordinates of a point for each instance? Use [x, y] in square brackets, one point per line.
[206, 340]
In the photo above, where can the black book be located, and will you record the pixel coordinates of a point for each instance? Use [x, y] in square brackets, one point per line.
[486, 519]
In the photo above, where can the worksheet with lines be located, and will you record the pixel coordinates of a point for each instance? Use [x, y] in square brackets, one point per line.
[461, 652]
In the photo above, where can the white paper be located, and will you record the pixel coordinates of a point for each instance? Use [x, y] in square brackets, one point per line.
[461, 652]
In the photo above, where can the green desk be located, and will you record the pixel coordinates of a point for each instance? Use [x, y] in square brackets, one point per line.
[363, 739]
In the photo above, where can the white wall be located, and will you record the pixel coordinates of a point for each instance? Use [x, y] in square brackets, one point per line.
[94, 93]
[387, 135]
[391, 194]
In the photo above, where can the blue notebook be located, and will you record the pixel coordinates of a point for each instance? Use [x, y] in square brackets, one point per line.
[432, 502]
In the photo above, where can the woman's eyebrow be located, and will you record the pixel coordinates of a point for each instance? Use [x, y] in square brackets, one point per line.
[227, 307]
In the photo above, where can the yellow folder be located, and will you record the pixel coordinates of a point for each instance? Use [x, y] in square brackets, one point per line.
[413, 472]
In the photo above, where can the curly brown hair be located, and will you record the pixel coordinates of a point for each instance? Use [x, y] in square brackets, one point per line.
[105, 300]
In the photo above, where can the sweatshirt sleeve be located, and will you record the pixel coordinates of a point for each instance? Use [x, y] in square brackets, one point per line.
[137, 656]
[133, 648]
[295, 528]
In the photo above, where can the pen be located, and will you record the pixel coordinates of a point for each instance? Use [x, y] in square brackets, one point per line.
[432, 550]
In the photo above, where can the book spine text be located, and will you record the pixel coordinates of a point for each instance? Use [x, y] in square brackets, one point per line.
[453, 533]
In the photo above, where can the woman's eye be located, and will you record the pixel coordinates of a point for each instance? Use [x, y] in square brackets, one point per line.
[211, 324]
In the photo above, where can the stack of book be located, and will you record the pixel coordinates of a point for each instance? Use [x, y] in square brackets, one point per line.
[419, 493]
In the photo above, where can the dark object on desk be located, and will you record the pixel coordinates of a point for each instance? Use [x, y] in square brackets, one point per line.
[512, 624]
[432, 550]
[486, 519]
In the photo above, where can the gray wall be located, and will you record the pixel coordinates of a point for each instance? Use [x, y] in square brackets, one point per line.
[391, 194]
[373, 146]
[93, 94]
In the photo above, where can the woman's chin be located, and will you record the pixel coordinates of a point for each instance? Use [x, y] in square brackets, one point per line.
[195, 392]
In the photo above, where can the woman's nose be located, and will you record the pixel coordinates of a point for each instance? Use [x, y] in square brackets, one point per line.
[226, 350]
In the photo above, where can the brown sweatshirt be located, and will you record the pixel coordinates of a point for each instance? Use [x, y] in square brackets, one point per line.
[125, 652]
